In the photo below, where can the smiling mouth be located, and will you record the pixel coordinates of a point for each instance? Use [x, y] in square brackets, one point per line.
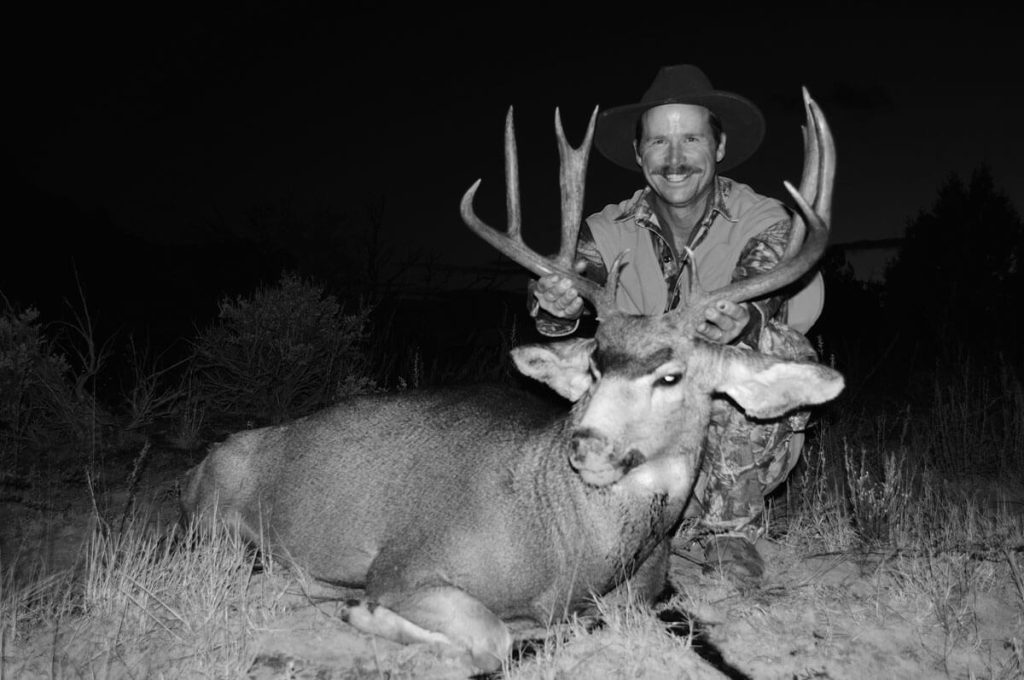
[678, 177]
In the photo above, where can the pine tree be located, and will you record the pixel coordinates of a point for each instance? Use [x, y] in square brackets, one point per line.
[956, 287]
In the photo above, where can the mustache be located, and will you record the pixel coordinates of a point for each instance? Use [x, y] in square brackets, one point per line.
[682, 169]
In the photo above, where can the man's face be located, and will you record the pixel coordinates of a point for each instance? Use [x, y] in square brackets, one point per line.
[678, 154]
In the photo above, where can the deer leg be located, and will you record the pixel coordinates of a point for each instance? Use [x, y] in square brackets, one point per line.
[649, 581]
[443, 616]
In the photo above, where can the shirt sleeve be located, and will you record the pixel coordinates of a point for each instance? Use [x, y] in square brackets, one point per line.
[761, 254]
[553, 326]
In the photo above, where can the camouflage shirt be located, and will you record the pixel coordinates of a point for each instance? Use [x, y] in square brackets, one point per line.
[761, 253]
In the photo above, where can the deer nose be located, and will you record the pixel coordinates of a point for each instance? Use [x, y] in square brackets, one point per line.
[590, 449]
[632, 459]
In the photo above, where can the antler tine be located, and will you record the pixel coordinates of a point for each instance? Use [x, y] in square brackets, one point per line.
[812, 172]
[604, 302]
[809, 180]
[816, 210]
[826, 162]
[513, 210]
[510, 243]
[571, 180]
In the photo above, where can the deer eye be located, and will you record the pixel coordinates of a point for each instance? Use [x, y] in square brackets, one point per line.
[668, 380]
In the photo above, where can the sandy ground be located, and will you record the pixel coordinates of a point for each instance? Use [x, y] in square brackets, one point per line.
[814, 616]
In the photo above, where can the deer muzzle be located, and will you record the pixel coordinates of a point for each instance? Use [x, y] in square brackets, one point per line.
[598, 461]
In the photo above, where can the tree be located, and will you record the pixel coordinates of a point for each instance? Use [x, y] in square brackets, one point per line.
[955, 290]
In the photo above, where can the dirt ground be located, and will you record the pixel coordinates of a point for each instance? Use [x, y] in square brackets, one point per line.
[814, 616]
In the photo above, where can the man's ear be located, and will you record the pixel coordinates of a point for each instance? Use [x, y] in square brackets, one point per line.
[766, 387]
[720, 152]
[563, 366]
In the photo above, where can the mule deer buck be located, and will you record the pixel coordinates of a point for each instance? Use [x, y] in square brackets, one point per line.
[459, 510]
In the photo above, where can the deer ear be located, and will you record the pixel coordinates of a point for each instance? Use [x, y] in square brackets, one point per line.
[767, 387]
[563, 366]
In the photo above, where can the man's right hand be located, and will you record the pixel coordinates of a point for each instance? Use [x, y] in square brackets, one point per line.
[558, 296]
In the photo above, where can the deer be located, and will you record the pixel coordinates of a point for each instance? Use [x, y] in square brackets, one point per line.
[461, 511]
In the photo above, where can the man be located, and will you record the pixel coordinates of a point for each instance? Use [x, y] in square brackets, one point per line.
[680, 135]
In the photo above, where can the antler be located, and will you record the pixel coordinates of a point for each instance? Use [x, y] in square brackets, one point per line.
[573, 168]
[801, 253]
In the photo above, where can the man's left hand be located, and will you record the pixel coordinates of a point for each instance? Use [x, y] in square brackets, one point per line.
[724, 321]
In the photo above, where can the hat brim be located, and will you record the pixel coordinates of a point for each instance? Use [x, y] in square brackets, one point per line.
[741, 121]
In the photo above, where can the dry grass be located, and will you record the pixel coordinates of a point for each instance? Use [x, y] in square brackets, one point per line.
[631, 642]
[942, 551]
[138, 605]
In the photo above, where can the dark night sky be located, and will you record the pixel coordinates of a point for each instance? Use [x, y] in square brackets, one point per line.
[170, 122]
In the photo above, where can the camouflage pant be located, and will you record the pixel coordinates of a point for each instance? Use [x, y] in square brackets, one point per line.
[744, 460]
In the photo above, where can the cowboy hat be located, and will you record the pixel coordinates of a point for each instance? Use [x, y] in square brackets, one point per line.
[741, 120]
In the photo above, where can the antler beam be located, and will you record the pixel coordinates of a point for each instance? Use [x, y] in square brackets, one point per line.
[572, 175]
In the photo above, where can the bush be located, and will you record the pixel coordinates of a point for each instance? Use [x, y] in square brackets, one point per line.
[280, 353]
[37, 405]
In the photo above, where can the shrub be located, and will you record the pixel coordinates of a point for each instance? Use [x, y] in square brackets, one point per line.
[37, 405]
[150, 393]
[280, 353]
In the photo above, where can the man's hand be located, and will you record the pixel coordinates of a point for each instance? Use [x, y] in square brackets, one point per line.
[723, 322]
[558, 296]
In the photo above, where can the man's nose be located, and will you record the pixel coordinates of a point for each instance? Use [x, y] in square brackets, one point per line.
[675, 153]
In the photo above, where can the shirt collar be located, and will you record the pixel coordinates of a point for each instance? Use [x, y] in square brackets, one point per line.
[639, 208]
